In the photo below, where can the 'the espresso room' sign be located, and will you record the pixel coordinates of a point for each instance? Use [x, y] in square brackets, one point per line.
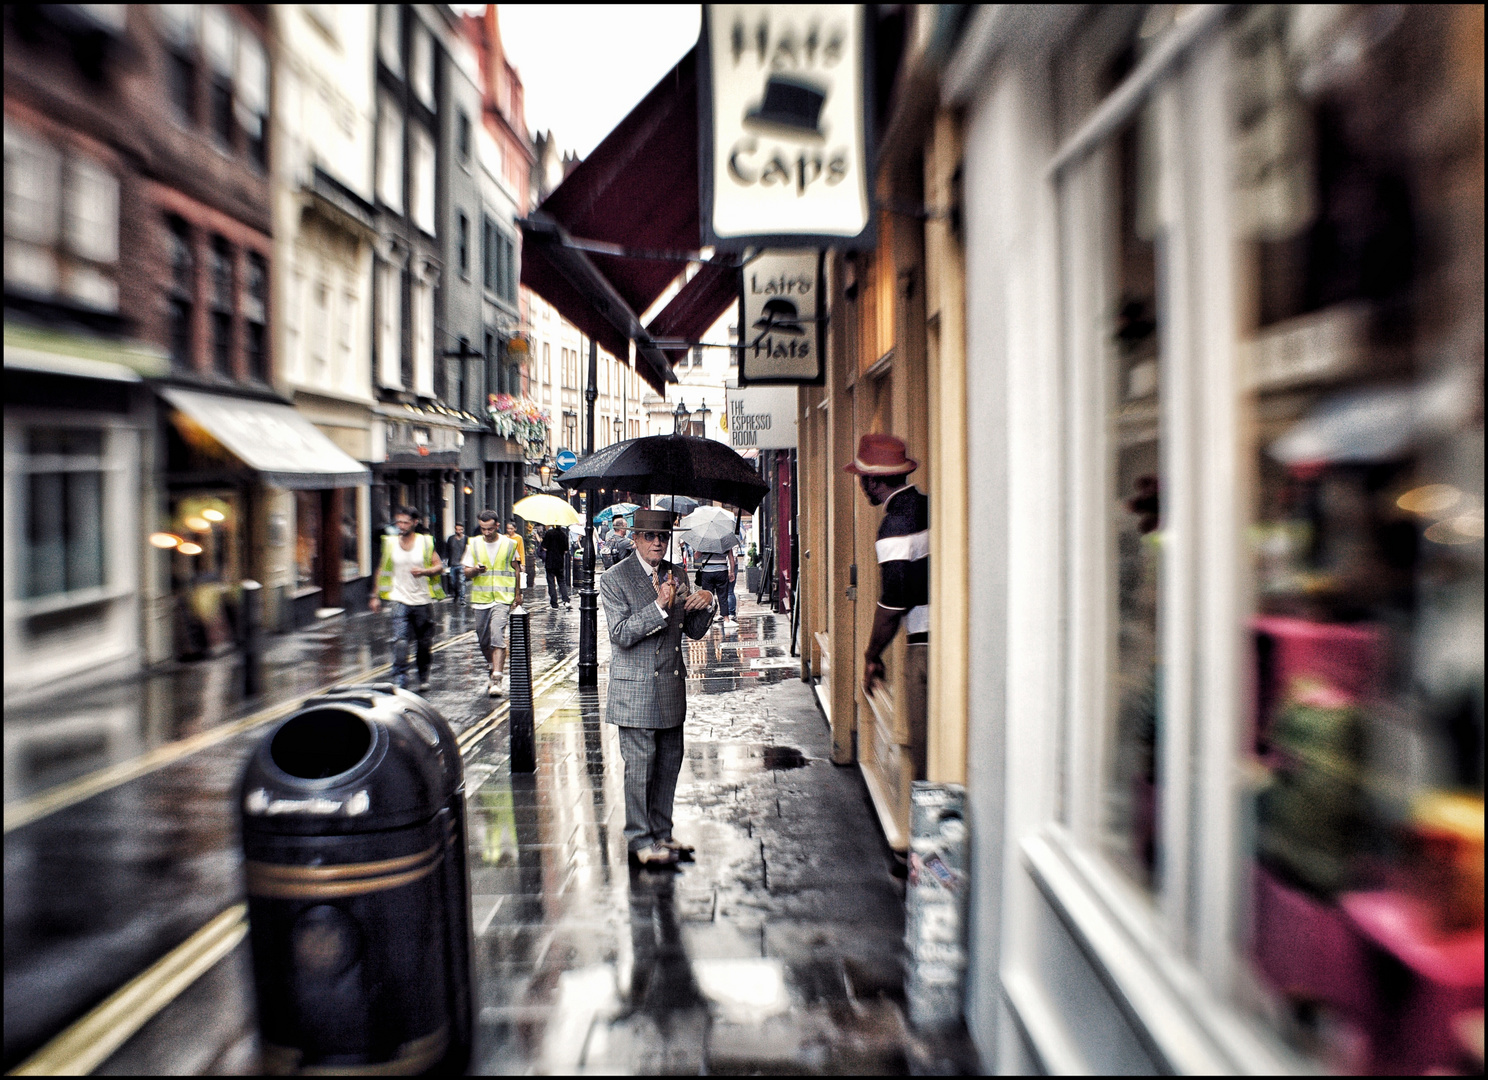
[782, 312]
[784, 136]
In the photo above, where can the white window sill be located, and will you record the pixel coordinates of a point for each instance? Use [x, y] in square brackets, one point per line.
[47, 605]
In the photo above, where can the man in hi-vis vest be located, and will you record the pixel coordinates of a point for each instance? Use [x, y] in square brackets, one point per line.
[408, 575]
[492, 563]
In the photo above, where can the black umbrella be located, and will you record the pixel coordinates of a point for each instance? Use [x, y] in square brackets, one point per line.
[671, 465]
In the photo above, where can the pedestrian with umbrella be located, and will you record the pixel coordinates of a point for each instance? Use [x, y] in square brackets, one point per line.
[709, 531]
[555, 515]
[648, 607]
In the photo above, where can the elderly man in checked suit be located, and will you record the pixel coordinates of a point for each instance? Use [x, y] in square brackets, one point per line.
[648, 604]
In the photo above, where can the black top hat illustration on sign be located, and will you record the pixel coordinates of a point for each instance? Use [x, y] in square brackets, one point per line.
[780, 317]
[792, 106]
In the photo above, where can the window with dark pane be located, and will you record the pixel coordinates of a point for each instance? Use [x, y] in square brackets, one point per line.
[182, 295]
[64, 512]
[181, 84]
[489, 254]
[462, 241]
[256, 313]
[222, 306]
[221, 98]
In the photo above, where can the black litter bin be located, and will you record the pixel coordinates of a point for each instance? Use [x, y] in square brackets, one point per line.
[353, 816]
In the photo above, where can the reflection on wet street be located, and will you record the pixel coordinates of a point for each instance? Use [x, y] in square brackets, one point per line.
[779, 948]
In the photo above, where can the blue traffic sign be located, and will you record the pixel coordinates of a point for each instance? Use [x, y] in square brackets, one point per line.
[566, 459]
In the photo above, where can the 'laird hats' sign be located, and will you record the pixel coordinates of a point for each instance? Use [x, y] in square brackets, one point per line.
[783, 122]
[782, 310]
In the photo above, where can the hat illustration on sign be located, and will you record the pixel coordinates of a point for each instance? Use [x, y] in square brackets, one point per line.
[780, 315]
[792, 106]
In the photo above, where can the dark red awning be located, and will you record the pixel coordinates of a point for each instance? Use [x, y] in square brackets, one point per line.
[697, 306]
[637, 190]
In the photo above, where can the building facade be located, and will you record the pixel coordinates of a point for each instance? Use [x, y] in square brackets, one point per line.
[324, 237]
[1180, 311]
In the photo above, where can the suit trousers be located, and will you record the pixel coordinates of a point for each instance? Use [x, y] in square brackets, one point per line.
[653, 758]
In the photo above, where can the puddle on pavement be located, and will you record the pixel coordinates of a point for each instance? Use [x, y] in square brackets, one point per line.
[783, 757]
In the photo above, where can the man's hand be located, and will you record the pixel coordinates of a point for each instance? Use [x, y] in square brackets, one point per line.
[698, 600]
[873, 673]
[666, 592]
[470, 571]
[374, 604]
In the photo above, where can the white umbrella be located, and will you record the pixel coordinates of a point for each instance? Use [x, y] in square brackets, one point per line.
[709, 529]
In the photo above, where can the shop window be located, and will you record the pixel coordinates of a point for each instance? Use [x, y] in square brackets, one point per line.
[64, 512]
[351, 522]
[1365, 492]
[307, 539]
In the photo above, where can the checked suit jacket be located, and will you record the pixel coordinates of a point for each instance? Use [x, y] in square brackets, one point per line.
[648, 673]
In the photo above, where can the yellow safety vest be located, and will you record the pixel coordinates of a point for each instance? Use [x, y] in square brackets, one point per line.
[385, 571]
[495, 581]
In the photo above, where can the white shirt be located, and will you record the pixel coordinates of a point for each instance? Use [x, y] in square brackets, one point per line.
[408, 589]
[651, 572]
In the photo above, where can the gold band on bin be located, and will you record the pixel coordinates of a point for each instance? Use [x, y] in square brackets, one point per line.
[274, 881]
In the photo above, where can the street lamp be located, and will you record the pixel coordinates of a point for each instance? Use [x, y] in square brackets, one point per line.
[619, 427]
[679, 417]
[545, 472]
[701, 416]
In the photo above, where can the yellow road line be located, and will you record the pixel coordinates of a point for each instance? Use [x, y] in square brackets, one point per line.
[483, 727]
[88, 1043]
[85, 787]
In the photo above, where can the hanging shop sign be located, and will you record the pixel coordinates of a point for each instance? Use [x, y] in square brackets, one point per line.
[782, 318]
[761, 418]
[784, 125]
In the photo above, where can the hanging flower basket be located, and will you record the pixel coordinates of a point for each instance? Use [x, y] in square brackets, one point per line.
[521, 419]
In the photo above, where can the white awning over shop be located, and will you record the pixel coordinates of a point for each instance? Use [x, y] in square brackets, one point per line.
[281, 444]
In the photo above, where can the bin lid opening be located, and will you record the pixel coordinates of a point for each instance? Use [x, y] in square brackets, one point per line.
[321, 743]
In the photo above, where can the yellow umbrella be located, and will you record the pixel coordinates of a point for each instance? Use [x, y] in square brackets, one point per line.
[546, 510]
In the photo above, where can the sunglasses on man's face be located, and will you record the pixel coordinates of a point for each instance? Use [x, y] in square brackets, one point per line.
[652, 537]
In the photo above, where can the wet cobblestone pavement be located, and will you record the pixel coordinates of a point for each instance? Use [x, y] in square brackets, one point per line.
[778, 950]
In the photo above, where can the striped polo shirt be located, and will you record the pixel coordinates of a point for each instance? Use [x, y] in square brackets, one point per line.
[903, 550]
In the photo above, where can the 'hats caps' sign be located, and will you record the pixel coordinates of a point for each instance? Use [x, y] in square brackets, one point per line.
[784, 136]
[782, 311]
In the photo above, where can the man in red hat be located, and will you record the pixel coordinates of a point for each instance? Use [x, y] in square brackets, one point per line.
[903, 551]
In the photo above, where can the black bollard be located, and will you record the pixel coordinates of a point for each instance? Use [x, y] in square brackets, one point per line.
[252, 638]
[519, 686]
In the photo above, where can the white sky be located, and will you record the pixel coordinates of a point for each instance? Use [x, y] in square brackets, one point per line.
[584, 66]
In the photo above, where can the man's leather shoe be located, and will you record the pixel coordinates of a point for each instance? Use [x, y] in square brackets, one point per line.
[654, 856]
[683, 851]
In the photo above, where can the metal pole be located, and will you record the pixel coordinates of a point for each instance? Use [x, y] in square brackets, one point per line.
[588, 597]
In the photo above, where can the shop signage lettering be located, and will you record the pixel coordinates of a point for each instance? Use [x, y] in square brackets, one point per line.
[781, 316]
[761, 418]
[784, 125]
